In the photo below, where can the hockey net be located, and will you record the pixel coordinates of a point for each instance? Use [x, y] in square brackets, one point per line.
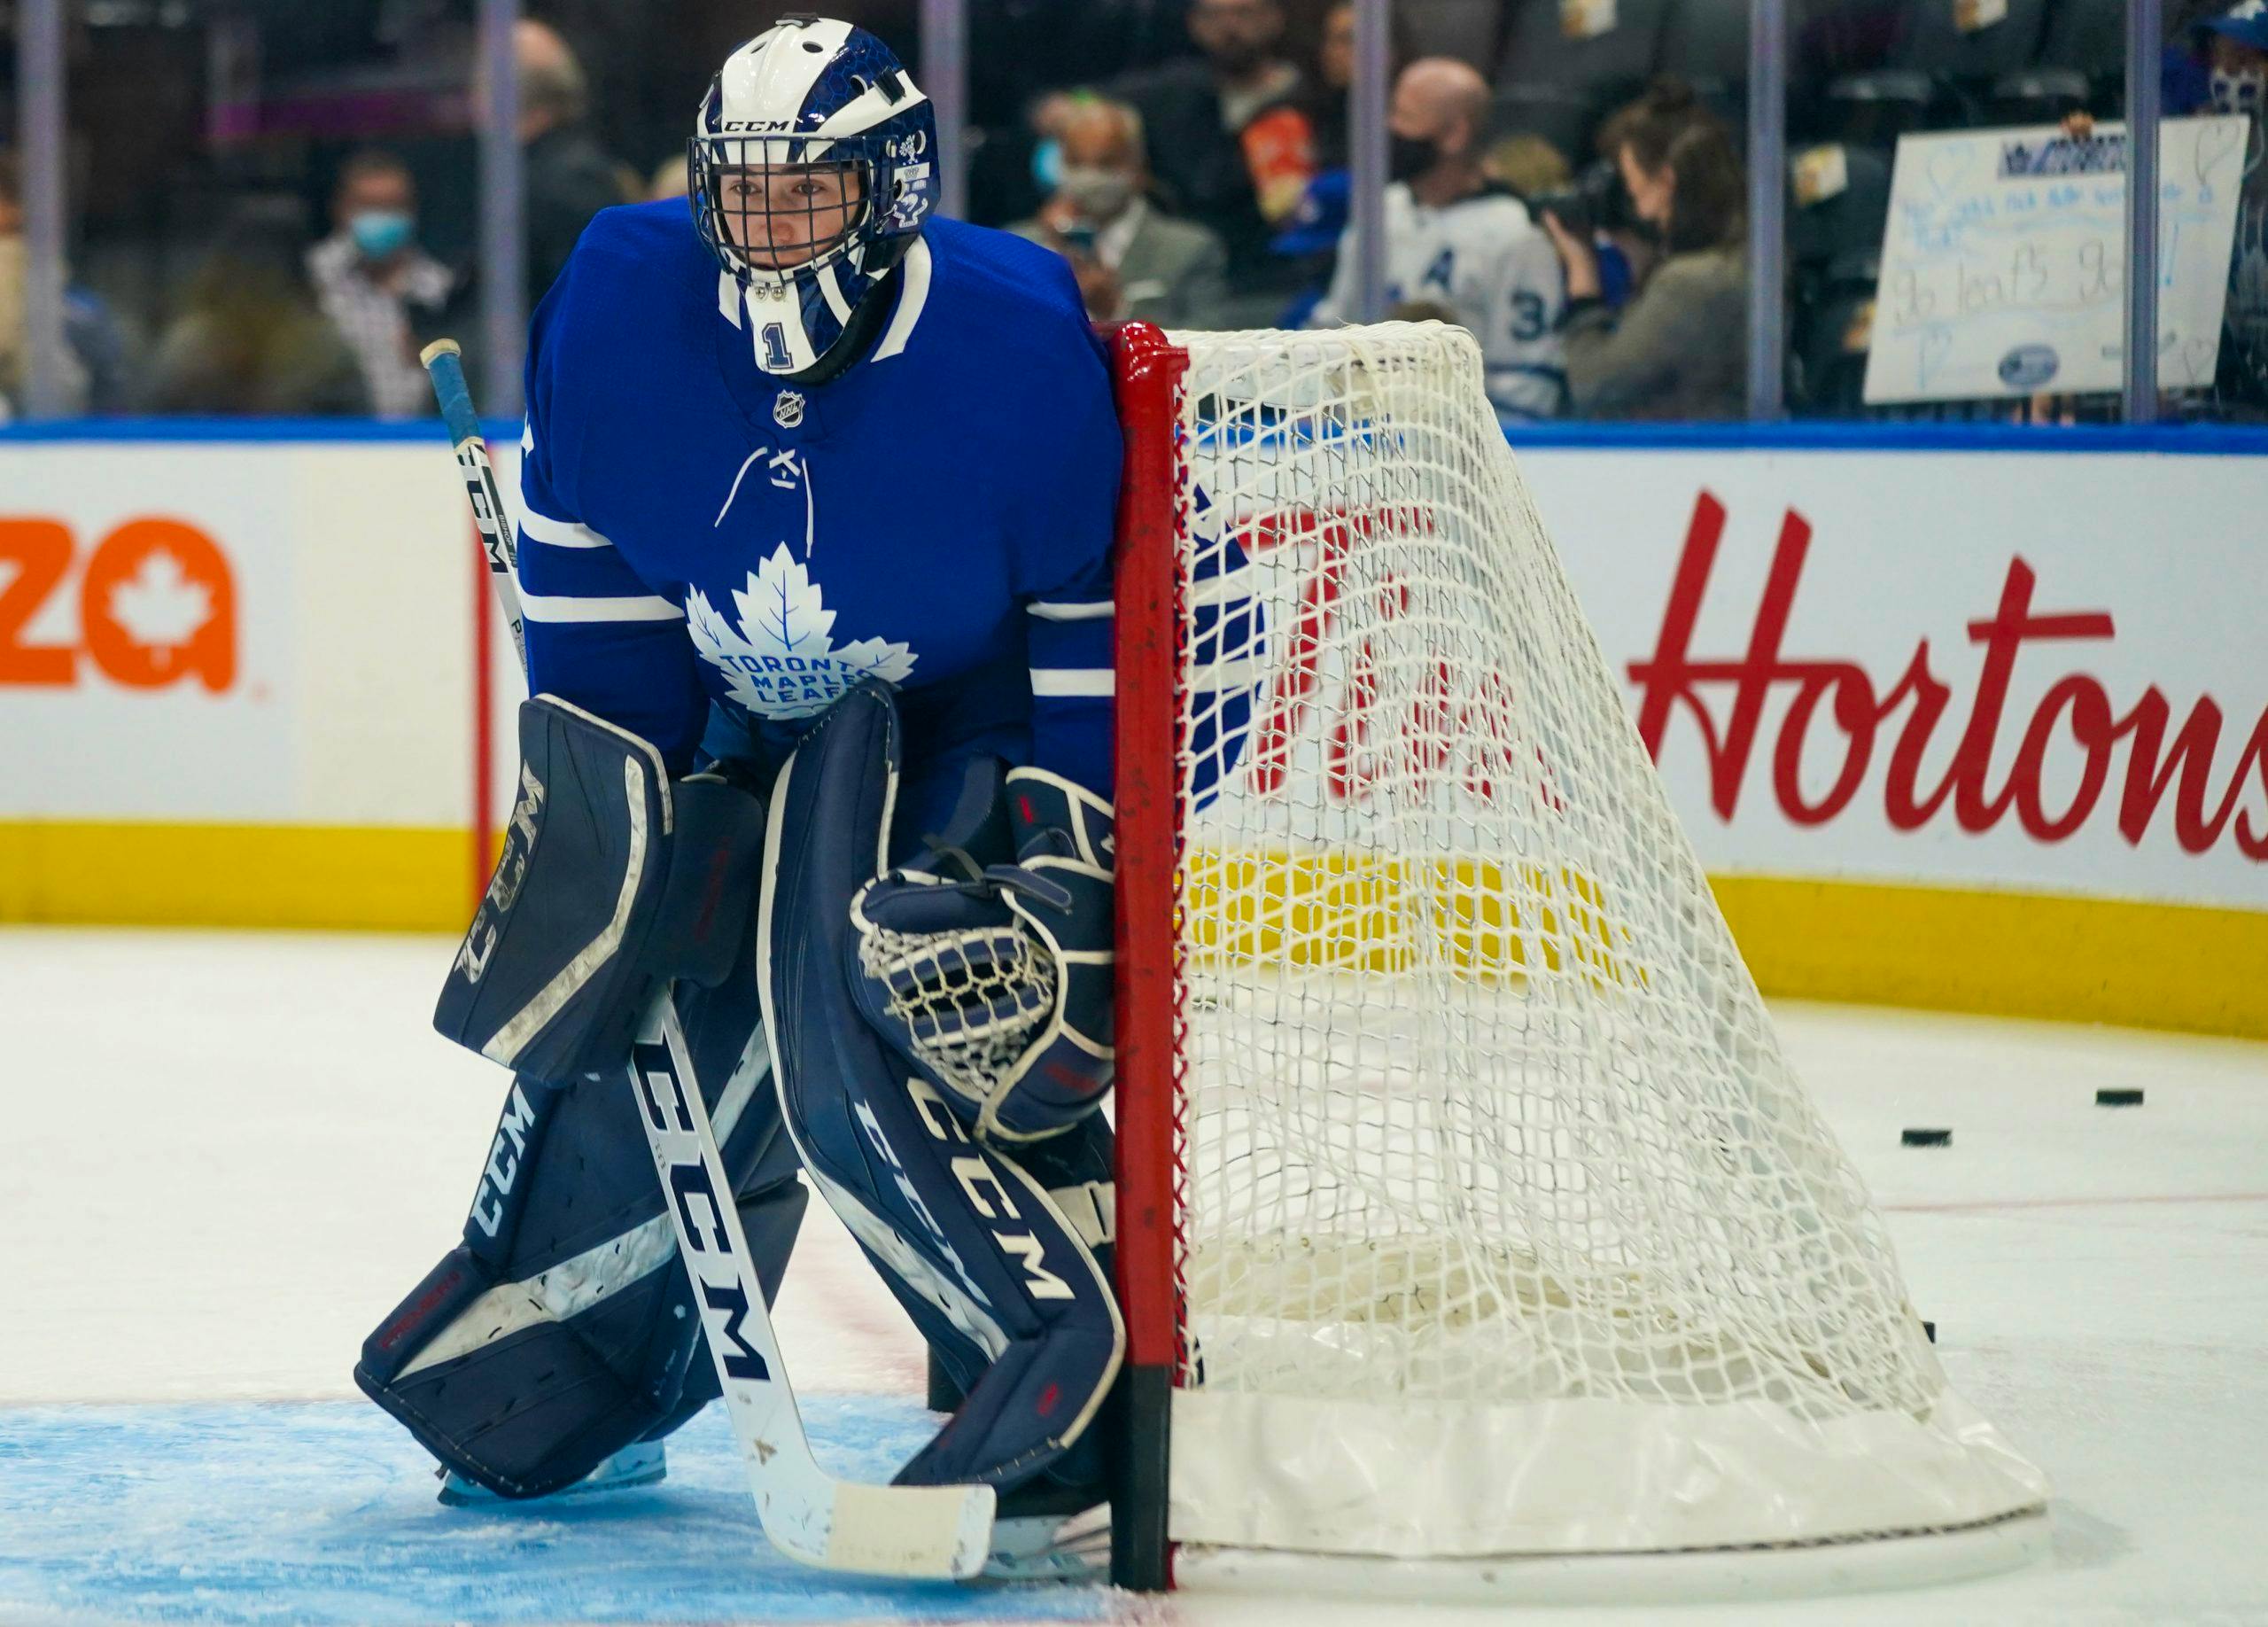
[1468, 1208]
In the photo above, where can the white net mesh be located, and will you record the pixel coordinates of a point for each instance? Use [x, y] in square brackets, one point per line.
[1481, 1111]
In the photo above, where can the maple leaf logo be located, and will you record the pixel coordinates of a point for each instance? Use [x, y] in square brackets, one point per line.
[160, 606]
[780, 661]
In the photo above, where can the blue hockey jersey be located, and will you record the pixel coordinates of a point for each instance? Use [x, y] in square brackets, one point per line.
[710, 554]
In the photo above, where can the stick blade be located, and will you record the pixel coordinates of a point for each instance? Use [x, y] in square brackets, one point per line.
[933, 1533]
[942, 1531]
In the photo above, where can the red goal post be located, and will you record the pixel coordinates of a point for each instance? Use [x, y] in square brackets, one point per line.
[1148, 375]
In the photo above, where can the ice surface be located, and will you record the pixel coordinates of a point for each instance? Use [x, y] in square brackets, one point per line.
[322, 1515]
[224, 1155]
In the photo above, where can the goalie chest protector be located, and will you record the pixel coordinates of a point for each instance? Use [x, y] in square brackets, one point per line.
[892, 523]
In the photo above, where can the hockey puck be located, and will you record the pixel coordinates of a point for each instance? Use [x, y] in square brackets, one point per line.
[1926, 1138]
[1929, 1332]
[2118, 1098]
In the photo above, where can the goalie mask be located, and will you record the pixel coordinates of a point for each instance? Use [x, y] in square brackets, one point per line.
[810, 168]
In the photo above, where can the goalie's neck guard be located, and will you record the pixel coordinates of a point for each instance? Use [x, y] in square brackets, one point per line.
[832, 101]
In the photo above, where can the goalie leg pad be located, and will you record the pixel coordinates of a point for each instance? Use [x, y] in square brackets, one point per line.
[1006, 1288]
[561, 1330]
[614, 881]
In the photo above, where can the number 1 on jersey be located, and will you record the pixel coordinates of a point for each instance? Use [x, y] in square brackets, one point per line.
[775, 347]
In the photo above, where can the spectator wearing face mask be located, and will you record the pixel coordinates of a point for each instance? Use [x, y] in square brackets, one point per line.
[2236, 44]
[1456, 237]
[379, 289]
[1131, 259]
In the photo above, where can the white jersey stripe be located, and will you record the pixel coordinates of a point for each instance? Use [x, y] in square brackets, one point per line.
[1070, 680]
[535, 527]
[832, 292]
[552, 607]
[1094, 610]
[915, 270]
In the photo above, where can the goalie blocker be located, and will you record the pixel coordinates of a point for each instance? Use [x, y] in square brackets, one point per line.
[558, 1333]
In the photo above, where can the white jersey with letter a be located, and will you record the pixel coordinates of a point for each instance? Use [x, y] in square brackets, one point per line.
[1489, 261]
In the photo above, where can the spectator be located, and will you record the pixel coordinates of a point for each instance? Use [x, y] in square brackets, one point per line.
[1013, 167]
[2232, 54]
[1326, 100]
[1045, 119]
[15, 275]
[94, 355]
[1226, 137]
[383, 292]
[2237, 42]
[1679, 348]
[569, 178]
[1131, 259]
[1309, 242]
[2237, 59]
[671, 179]
[1326, 103]
[1453, 236]
[251, 339]
[1528, 164]
[1423, 310]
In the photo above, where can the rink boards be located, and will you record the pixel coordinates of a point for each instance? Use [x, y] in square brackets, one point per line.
[1981, 728]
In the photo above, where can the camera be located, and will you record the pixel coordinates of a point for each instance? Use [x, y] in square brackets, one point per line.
[1595, 201]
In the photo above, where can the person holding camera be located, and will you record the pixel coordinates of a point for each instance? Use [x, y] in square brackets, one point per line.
[1679, 348]
[1456, 237]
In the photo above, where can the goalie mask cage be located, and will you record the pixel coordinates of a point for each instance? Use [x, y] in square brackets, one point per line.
[1474, 1237]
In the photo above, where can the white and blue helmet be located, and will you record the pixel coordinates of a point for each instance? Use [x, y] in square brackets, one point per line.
[831, 101]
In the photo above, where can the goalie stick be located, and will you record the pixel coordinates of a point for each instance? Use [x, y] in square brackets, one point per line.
[942, 1532]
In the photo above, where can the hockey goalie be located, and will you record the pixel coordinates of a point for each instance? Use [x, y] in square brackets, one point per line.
[816, 498]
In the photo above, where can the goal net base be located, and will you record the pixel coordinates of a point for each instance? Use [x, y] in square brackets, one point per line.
[1757, 1575]
[1573, 1476]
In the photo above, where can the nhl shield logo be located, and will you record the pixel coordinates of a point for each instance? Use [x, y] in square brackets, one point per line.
[788, 408]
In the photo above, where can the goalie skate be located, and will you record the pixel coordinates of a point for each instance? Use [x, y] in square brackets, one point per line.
[642, 1463]
[1034, 1542]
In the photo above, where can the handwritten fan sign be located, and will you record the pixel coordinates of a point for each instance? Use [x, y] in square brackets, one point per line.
[2004, 268]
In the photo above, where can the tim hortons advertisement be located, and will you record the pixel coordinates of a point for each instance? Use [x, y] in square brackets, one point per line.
[1991, 669]
[2003, 669]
